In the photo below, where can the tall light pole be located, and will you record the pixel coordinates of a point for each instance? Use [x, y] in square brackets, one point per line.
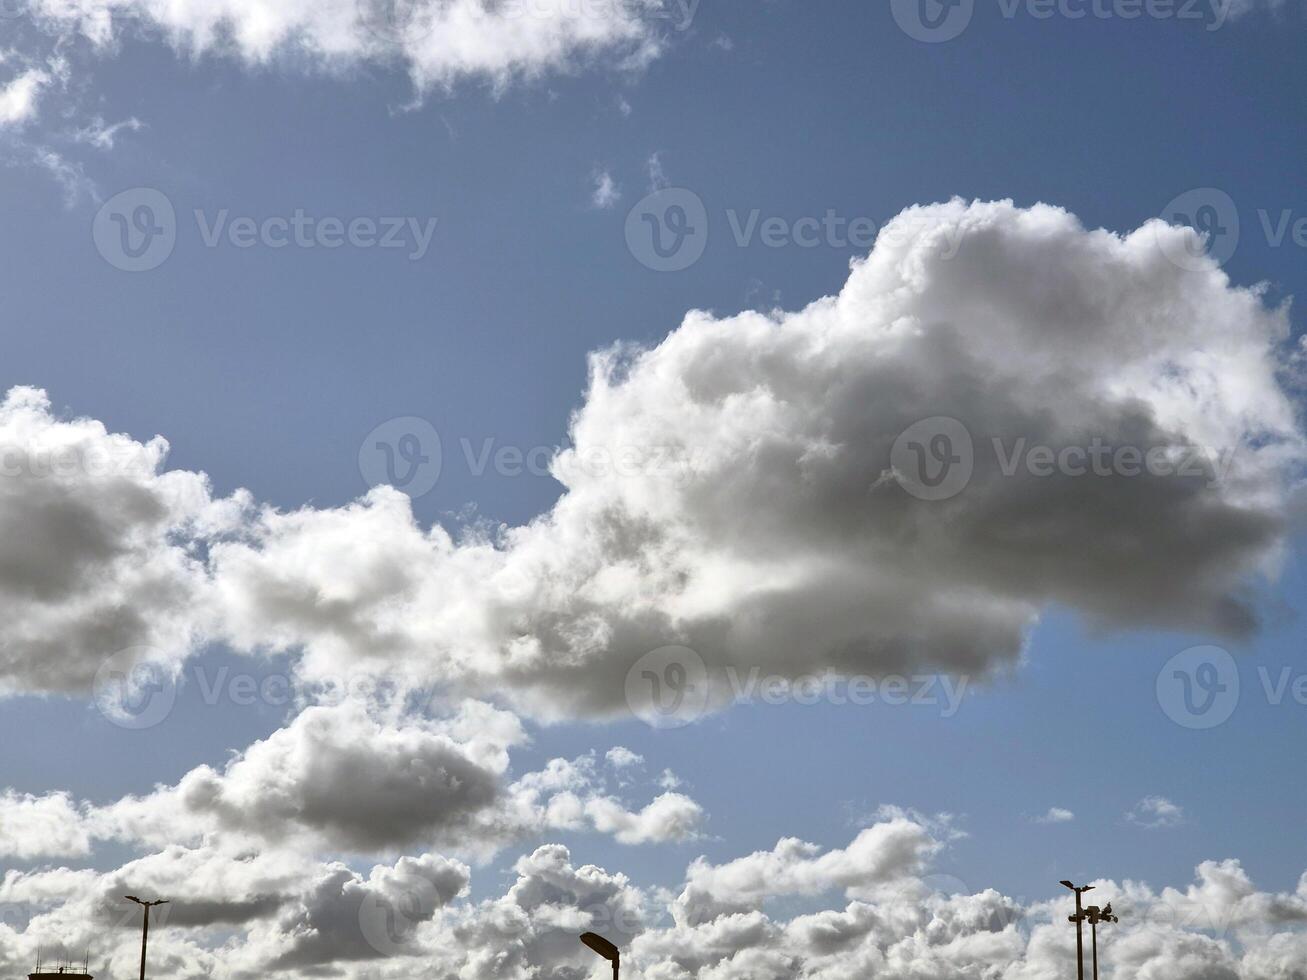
[600, 945]
[1078, 919]
[145, 928]
[1095, 916]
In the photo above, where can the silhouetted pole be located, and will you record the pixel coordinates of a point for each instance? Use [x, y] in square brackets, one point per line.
[1078, 919]
[145, 927]
[1097, 915]
[601, 946]
[1093, 932]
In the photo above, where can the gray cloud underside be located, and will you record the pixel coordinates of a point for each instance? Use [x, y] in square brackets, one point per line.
[878, 912]
[762, 522]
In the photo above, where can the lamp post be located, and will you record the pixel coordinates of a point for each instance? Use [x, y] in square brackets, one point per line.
[600, 945]
[145, 927]
[1078, 919]
[1095, 916]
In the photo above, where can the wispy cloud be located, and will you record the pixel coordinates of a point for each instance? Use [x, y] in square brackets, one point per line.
[102, 135]
[1156, 813]
[70, 175]
[1056, 814]
[657, 177]
[620, 757]
[605, 193]
[19, 96]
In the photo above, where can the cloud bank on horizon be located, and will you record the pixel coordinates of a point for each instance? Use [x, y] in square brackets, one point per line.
[874, 909]
[766, 520]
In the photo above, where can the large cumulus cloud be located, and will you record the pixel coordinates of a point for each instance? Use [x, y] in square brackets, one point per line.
[97, 547]
[735, 489]
[351, 779]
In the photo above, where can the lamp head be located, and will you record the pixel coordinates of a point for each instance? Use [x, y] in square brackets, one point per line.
[601, 946]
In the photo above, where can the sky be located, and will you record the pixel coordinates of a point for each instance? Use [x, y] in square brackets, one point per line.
[479, 471]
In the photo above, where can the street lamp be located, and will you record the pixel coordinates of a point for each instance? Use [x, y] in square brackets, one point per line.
[1078, 919]
[600, 945]
[145, 928]
[1095, 916]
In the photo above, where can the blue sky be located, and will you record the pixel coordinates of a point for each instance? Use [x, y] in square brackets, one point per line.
[267, 368]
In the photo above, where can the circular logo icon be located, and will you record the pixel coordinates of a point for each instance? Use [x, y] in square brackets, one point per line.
[396, 21]
[135, 688]
[932, 21]
[668, 687]
[403, 453]
[668, 230]
[1213, 222]
[933, 459]
[136, 229]
[1199, 687]
[388, 921]
[1161, 915]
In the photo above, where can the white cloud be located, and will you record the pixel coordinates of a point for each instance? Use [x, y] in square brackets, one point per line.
[1056, 814]
[1155, 812]
[237, 914]
[669, 817]
[749, 509]
[731, 489]
[93, 552]
[360, 779]
[39, 826]
[620, 757]
[887, 853]
[438, 42]
[657, 177]
[337, 776]
[70, 175]
[18, 96]
[605, 192]
[1241, 8]
[104, 135]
